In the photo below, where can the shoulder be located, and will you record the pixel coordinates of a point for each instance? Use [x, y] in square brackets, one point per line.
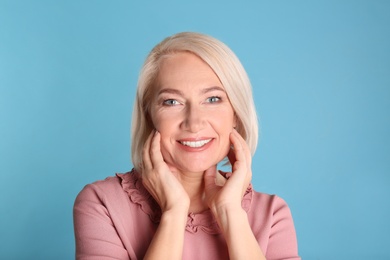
[109, 191]
[273, 226]
[101, 188]
[269, 209]
[116, 194]
[271, 201]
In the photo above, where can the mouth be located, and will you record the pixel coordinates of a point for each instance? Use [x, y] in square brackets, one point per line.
[195, 144]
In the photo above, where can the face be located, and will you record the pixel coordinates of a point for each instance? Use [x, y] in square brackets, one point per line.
[192, 112]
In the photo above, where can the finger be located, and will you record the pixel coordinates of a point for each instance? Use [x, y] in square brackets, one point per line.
[145, 152]
[241, 168]
[231, 156]
[246, 153]
[155, 150]
[220, 178]
[210, 177]
[243, 146]
[236, 155]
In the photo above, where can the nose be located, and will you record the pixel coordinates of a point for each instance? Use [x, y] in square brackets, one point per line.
[194, 119]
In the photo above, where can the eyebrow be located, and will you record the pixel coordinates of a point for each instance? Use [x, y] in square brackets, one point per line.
[170, 91]
[179, 92]
[215, 88]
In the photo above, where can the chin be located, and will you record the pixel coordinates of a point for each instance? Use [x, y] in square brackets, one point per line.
[196, 166]
[195, 163]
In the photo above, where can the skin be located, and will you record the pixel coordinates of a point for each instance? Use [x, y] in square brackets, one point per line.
[190, 104]
[194, 124]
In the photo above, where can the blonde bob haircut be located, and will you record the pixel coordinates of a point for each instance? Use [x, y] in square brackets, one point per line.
[225, 65]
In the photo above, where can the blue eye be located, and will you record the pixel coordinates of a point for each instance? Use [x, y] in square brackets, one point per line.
[171, 102]
[213, 99]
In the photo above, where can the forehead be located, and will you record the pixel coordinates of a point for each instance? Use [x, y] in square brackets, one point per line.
[185, 68]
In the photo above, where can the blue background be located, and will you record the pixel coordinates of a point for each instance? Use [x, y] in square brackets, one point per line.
[321, 77]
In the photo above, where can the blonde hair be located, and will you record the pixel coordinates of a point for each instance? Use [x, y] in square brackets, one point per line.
[225, 65]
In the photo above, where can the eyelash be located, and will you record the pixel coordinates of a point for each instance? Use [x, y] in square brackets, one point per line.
[174, 102]
[214, 97]
[168, 102]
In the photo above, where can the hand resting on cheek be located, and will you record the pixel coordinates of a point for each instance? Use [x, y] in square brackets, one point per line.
[160, 179]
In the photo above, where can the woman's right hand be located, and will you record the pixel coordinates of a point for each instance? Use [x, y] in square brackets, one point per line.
[162, 180]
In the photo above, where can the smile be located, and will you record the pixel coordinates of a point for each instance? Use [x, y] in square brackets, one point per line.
[195, 144]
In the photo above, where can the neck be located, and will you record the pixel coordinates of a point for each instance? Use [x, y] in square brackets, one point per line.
[193, 184]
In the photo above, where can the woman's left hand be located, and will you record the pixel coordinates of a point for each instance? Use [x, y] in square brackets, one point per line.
[229, 195]
[225, 202]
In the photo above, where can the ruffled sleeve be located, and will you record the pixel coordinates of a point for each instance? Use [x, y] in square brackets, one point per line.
[132, 185]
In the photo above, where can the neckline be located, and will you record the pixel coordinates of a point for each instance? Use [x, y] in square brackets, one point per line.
[131, 183]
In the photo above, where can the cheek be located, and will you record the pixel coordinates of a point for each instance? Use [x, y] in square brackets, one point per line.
[156, 121]
[166, 149]
[163, 129]
[226, 127]
[160, 120]
[166, 125]
[166, 137]
[226, 122]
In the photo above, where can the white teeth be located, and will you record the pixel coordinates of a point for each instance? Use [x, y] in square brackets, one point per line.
[195, 144]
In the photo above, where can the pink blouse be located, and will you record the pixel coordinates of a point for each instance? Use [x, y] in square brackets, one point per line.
[116, 219]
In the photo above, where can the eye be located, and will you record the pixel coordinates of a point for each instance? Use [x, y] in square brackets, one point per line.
[171, 102]
[213, 99]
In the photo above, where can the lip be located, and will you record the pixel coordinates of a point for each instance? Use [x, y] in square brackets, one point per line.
[195, 149]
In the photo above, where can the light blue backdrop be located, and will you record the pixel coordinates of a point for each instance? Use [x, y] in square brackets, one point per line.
[321, 77]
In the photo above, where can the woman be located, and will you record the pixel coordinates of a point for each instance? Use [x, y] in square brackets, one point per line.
[194, 108]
